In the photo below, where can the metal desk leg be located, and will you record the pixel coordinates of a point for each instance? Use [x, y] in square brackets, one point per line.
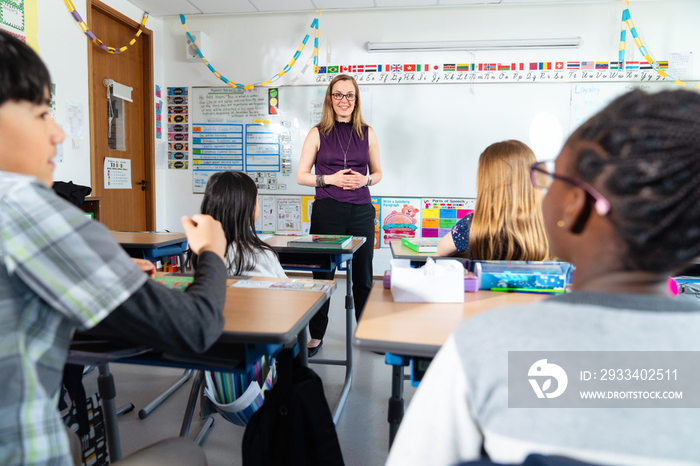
[105, 385]
[302, 341]
[349, 306]
[396, 402]
[148, 409]
[191, 402]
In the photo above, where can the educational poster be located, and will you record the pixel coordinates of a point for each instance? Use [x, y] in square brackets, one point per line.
[289, 215]
[178, 132]
[268, 214]
[440, 215]
[377, 204]
[12, 18]
[307, 203]
[400, 218]
[159, 118]
[117, 173]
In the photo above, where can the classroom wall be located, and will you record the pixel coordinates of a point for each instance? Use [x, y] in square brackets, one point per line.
[63, 47]
[251, 48]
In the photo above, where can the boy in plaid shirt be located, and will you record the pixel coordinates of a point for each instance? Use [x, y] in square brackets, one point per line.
[60, 270]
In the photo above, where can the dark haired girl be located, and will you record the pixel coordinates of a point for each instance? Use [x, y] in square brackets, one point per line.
[232, 199]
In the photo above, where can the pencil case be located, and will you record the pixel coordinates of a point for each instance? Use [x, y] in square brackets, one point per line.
[471, 281]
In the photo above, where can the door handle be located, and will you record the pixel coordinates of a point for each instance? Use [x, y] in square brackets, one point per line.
[143, 184]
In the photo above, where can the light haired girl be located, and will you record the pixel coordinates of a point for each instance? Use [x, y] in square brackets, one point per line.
[507, 220]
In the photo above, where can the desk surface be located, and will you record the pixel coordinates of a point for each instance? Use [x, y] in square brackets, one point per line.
[266, 315]
[147, 239]
[280, 244]
[420, 329]
[399, 251]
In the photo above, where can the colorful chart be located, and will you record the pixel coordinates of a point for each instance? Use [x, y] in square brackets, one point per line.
[440, 215]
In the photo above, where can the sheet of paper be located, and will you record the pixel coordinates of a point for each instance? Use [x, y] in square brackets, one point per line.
[161, 151]
[680, 65]
[117, 173]
[294, 285]
[265, 237]
[75, 120]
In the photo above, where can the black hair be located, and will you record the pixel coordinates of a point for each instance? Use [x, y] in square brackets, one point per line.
[646, 160]
[230, 197]
[23, 76]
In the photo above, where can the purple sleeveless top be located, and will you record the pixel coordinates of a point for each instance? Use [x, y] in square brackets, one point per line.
[330, 157]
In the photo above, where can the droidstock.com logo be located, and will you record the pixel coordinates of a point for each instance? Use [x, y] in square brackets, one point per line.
[545, 371]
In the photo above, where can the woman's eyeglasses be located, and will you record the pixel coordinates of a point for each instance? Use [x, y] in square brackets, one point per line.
[338, 96]
[542, 176]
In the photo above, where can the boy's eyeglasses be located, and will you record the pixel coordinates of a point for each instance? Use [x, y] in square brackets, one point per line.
[542, 176]
[338, 96]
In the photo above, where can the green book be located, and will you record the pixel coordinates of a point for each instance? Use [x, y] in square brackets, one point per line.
[421, 244]
[179, 283]
[321, 242]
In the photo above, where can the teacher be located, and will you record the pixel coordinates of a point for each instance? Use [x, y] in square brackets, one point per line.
[345, 151]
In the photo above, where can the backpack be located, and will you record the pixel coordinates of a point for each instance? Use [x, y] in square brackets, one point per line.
[294, 426]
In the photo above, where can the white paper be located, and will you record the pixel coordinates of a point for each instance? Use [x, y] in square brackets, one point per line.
[58, 158]
[75, 120]
[117, 173]
[680, 65]
[161, 151]
[436, 282]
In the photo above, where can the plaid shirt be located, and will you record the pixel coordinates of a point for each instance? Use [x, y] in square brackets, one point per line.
[58, 270]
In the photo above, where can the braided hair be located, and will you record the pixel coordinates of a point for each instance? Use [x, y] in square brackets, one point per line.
[646, 157]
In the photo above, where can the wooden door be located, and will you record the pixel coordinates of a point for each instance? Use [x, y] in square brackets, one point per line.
[122, 209]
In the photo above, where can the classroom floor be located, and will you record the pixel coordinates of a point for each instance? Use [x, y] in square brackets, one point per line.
[363, 429]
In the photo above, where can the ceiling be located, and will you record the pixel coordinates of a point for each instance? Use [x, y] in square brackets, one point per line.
[213, 7]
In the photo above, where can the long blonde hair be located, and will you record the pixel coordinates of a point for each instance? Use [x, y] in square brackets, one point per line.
[328, 116]
[507, 222]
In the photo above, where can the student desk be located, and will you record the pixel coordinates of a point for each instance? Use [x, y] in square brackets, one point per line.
[399, 251]
[325, 260]
[254, 320]
[418, 330]
[152, 246]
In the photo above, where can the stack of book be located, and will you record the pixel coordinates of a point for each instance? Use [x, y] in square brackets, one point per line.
[321, 241]
[421, 244]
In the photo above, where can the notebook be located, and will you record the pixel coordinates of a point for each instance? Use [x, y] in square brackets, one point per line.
[321, 241]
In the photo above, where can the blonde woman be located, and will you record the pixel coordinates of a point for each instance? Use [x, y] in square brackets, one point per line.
[507, 220]
[345, 152]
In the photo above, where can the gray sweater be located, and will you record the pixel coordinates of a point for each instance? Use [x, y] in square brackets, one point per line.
[462, 402]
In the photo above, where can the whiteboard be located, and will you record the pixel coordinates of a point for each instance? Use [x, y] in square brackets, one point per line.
[431, 136]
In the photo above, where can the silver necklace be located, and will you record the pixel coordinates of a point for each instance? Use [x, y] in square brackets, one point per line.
[345, 152]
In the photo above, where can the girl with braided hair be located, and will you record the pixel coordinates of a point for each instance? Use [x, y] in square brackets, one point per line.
[622, 205]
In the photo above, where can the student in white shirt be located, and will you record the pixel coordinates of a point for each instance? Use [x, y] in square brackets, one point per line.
[232, 199]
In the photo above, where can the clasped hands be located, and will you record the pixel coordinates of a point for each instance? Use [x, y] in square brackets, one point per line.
[347, 179]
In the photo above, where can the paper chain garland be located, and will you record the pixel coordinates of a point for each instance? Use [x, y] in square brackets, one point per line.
[627, 20]
[314, 26]
[92, 37]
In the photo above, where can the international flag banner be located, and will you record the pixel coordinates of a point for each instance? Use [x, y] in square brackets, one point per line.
[587, 65]
[601, 65]
[545, 65]
[333, 69]
[448, 67]
[559, 65]
[516, 66]
[614, 65]
[645, 65]
[358, 69]
[436, 67]
[573, 65]
[481, 67]
[370, 68]
[418, 67]
[503, 67]
[492, 67]
[396, 68]
[533, 66]
[409, 68]
[321, 70]
[345, 69]
[379, 68]
[632, 65]
[462, 66]
[473, 67]
[663, 65]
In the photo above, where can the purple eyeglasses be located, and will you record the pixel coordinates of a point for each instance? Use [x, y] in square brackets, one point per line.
[542, 176]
